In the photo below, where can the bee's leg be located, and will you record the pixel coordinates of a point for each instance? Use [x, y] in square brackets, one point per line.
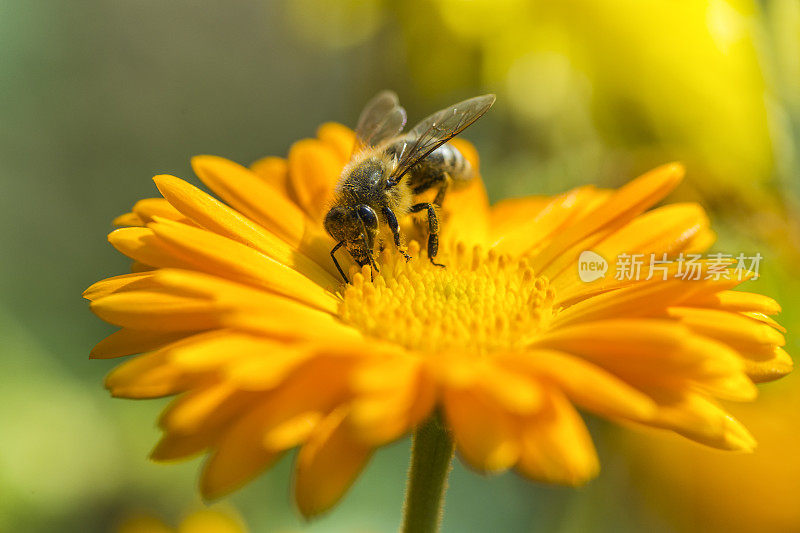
[391, 219]
[371, 261]
[335, 262]
[433, 229]
[442, 190]
[374, 268]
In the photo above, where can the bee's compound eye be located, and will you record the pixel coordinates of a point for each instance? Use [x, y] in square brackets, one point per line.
[334, 222]
[367, 215]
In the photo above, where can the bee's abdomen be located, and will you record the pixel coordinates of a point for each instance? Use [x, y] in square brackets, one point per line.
[431, 171]
[453, 162]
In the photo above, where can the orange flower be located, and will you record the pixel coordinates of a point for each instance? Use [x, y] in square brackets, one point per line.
[238, 310]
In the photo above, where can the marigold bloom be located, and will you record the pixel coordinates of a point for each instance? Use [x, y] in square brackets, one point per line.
[238, 310]
[201, 521]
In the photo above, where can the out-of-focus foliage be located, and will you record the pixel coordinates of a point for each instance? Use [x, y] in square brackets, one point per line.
[98, 96]
[640, 81]
[39, 404]
[335, 24]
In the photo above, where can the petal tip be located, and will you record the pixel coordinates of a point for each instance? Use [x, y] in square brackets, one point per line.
[669, 174]
[201, 159]
[675, 170]
[202, 164]
[164, 179]
[209, 492]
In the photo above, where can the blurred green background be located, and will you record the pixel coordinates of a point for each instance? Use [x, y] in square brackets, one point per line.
[98, 96]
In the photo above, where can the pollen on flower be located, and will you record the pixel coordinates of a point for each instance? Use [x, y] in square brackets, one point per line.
[479, 303]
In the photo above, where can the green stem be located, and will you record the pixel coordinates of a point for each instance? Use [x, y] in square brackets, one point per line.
[431, 457]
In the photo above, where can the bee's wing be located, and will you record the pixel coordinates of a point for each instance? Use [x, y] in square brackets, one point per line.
[439, 128]
[381, 119]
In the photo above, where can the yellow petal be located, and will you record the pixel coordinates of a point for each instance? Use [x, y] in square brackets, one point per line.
[622, 206]
[587, 385]
[451, 369]
[193, 284]
[736, 301]
[137, 267]
[292, 432]
[392, 397]
[655, 351]
[529, 232]
[341, 138]
[378, 420]
[698, 418]
[219, 218]
[604, 341]
[239, 457]
[731, 328]
[314, 169]
[218, 255]
[210, 521]
[223, 348]
[128, 341]
[776, 365]
[701, 242]
[230, 355]
[178, 447]
[128, 219]
[157, 311]
[249, 444]
[556, 446]
[141, 244]
[195, 420]
[666, 229]
[111, 285]
[151, 207]
[718, 370]
[485, 434]
[275, 171]
[242, 451]
[736, 386]
[246, 192]
[513, 392]
[327, 465]
[640, 299]
[203, 408]
[148, 376]
[508, 214]
[669, 229]
[761, 317]
[283, 319]
[267, 370]
[570, 289]
[467, 212]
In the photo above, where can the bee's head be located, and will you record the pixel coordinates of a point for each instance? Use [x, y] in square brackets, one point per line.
[357, 226]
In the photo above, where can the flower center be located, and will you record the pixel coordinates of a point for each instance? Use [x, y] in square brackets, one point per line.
[481, 302]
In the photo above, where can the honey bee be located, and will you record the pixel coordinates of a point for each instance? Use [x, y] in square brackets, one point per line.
[388, 169]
